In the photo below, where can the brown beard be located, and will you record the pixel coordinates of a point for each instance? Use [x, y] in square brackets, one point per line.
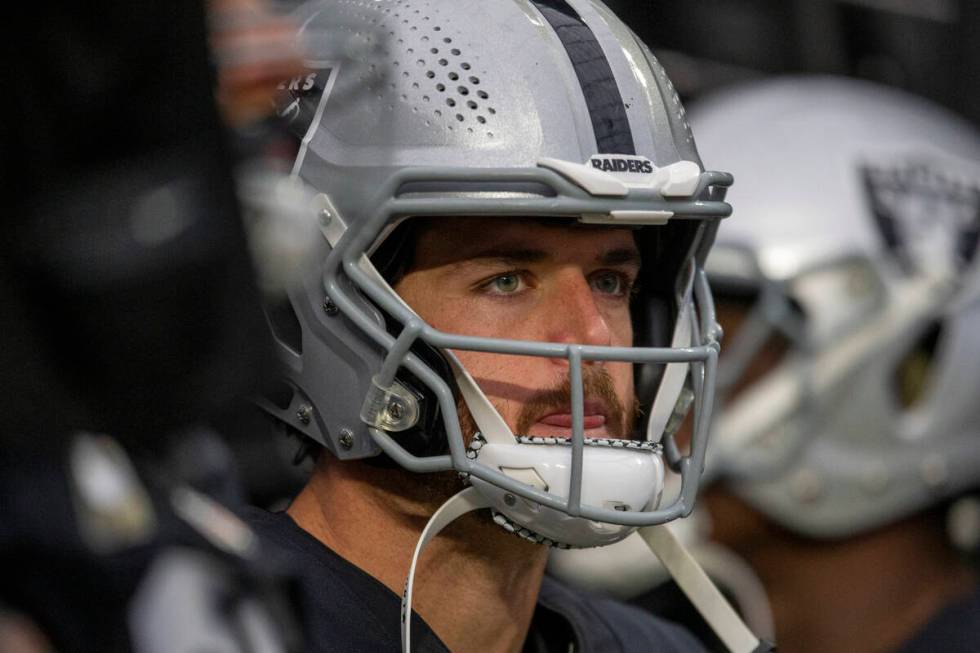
[433, 489]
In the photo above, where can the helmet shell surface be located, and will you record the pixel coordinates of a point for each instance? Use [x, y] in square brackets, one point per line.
[859, 210]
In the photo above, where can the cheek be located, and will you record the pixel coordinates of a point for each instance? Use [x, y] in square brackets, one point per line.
[483, 366]
[621, 327]
[622, 375]
[510, 378]
[508, 381]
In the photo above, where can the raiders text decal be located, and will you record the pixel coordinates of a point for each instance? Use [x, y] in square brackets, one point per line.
[299, 102]
[631, 170]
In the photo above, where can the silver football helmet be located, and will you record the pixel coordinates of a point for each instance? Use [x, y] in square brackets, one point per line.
[857, 244]
[417, 108]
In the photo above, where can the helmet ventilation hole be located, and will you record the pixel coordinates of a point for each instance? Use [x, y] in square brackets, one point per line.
[459, 83]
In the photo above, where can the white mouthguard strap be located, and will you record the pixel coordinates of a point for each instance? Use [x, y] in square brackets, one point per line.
[696, 585]
[458, 505]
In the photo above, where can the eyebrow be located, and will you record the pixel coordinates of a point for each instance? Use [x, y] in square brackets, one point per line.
[506, 254]
[620, 256]
[516, 255]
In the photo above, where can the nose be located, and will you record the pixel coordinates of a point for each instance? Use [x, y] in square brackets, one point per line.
[572, 313]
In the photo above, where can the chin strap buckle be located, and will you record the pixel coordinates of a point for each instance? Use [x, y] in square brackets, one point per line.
[391, 408]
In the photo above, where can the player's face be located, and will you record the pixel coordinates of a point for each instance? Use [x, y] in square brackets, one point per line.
[526, 280]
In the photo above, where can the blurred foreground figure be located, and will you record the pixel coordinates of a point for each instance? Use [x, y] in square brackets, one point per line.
[129, 320]
[506, 315]
[849, 291]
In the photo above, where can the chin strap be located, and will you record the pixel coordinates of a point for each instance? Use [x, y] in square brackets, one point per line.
[458, 505]
[696, 585]
[688, 575]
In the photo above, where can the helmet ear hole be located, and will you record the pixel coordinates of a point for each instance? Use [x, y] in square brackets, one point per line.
[914, 373]
[285, 325]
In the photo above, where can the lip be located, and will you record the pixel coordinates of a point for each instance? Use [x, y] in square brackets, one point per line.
[564, 420]
[593, 417]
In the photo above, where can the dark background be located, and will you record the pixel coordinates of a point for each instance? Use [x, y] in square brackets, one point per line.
[928, 47]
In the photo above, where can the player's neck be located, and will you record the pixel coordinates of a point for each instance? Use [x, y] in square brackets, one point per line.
[867, 593]
[475, 585]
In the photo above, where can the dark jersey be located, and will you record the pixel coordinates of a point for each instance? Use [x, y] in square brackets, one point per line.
[955, 629]
[345, 610]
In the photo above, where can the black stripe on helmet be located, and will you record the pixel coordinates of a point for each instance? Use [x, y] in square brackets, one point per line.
[602, 97]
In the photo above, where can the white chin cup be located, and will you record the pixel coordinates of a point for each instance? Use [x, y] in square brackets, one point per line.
[614, 478]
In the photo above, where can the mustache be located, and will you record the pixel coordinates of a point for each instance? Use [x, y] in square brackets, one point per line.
[597, 385]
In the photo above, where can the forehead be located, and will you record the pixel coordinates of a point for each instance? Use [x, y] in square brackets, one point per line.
[448, 240]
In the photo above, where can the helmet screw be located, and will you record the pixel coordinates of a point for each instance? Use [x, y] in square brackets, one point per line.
[329, 307]
[346, 438]
[304, 413]
[325, 217]
[395, 410]
[510, 499]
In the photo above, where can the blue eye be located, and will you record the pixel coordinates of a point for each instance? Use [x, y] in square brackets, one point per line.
[608, 283]
[506, 283]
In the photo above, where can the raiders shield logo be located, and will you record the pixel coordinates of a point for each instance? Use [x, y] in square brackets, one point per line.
[927, 211]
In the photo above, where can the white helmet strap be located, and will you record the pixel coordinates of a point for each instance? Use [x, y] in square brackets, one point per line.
[697, 586]
[458, 505]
